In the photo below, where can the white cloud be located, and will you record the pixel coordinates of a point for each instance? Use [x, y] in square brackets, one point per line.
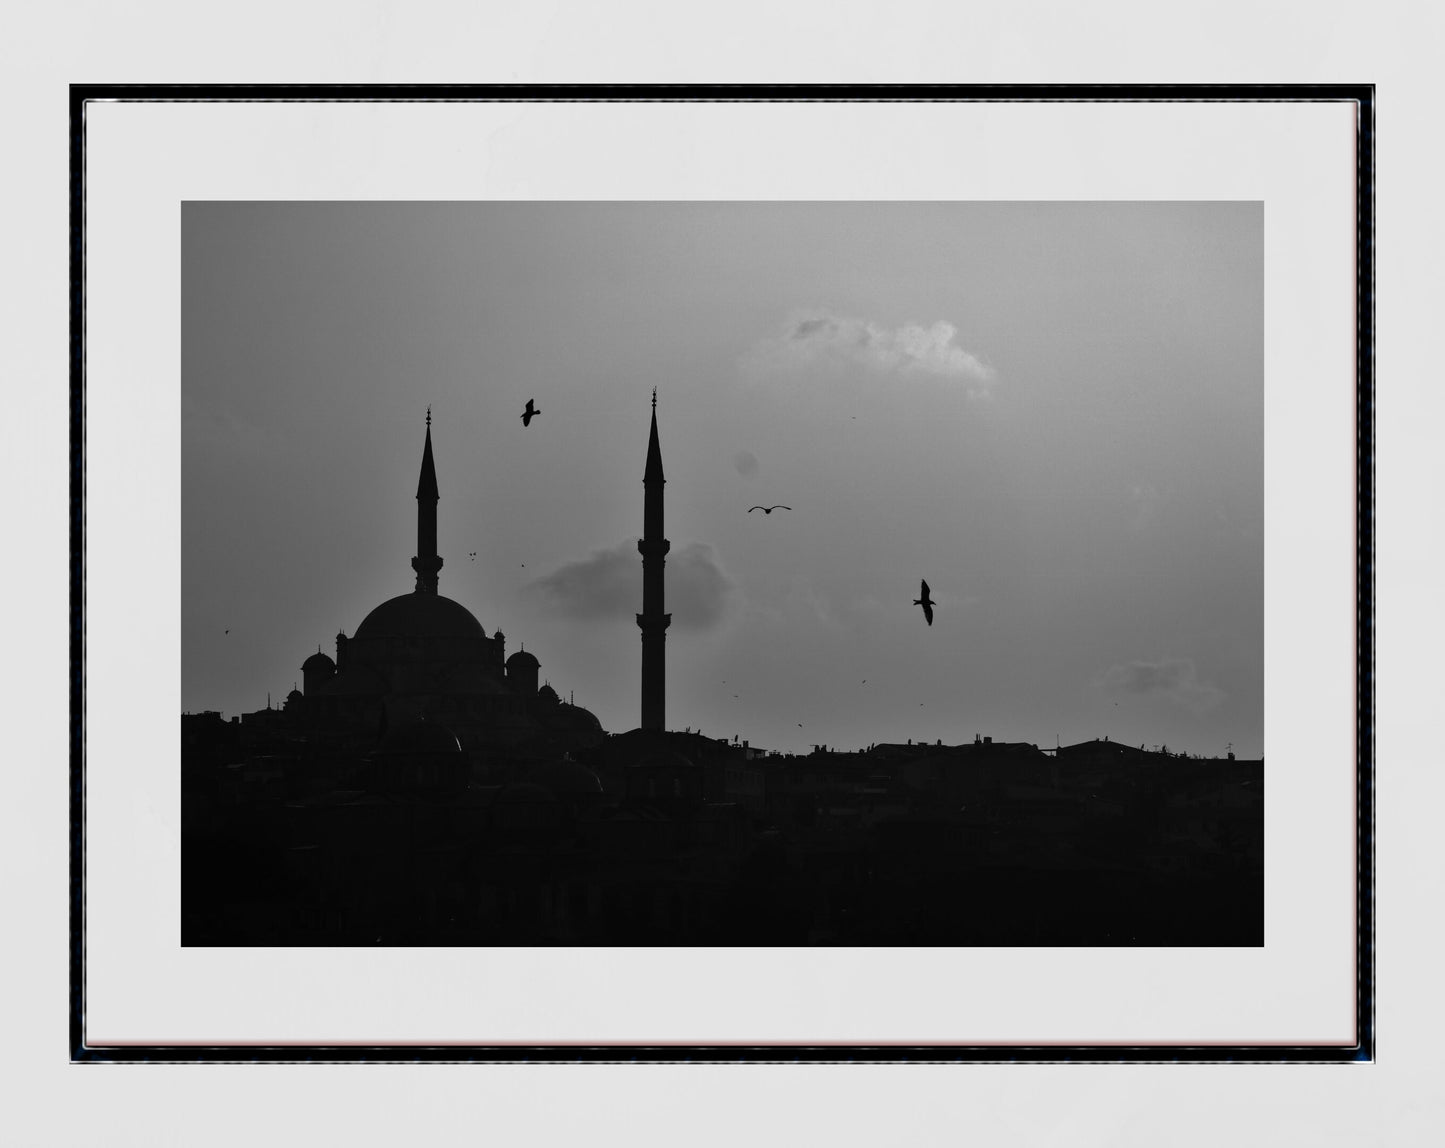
[819, 340]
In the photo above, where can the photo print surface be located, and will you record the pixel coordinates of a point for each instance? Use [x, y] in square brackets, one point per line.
[722, 573]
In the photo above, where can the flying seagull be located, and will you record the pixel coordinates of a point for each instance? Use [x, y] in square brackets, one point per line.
[769, 509]
[927, 603]
[528, 414]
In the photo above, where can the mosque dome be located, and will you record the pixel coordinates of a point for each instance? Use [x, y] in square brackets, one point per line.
[419, 615]
[522, 658]
[574, 717]
[318, 661]
[548, 695]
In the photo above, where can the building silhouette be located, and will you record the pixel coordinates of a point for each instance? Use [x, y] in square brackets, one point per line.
[424, 658]
[653, 621]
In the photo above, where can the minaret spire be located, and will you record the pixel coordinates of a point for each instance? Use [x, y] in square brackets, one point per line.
[653, 621]
[426, 563]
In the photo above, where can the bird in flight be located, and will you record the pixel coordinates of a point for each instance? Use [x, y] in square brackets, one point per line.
[769, 509]
[228, 631]
[472, 554]
[529, 413]
[927, 603]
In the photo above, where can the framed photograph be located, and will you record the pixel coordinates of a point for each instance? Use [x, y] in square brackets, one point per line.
[736, 574]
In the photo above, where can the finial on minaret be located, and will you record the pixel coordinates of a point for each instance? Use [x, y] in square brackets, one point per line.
[428, 415]
[654, 398]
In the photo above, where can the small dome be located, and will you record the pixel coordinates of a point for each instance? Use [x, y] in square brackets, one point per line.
[419, 615]
[577, 718]
[294, 696]
[317, 661]
[357, 680]
[522, 658]
[549, 695]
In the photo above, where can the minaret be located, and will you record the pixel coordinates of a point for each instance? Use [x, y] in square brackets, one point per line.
[426, 563]
[652, 621]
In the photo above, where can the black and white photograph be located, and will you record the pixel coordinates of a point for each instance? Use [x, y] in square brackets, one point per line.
[722, 573]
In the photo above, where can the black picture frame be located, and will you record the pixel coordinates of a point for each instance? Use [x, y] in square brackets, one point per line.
[1363, 1050]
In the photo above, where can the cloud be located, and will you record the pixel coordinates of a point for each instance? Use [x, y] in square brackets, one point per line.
[819, 339]
[697, 588]
[1173, 678]
[607, 586]
[745, 462]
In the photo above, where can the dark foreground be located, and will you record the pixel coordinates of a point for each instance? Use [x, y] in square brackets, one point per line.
[674, 839]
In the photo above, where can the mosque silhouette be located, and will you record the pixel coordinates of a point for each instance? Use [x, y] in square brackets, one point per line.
[420, 670]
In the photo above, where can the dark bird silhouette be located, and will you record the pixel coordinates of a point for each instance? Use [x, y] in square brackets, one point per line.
[228, 631]
[927, 603]
[769, 509]
[530, 413]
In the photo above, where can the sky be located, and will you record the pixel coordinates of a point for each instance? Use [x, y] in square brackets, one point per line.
[1052, 412]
